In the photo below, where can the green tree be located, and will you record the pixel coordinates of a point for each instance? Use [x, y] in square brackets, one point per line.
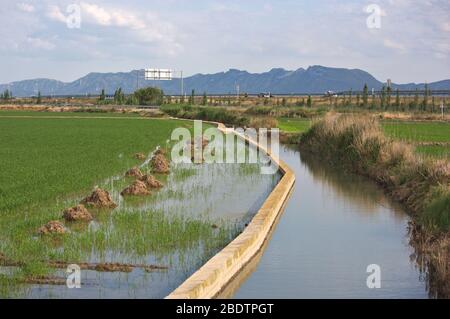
[383, 98]
[350, 98]
[365, 96]
[309, 101]
[119, 97]
[388, 99]
[102, 95]
[358, 100]
[397, 99]
[425, 98]
[283, 102]
[433, 104]
[205, 99]
[149, 96]
[373, 104]
[6, 95]
[415, 103]
[192, 98]
[39, 98]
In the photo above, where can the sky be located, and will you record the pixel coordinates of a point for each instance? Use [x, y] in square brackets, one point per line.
[406, 41]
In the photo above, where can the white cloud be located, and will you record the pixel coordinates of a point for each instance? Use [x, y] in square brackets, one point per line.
[388, 43]
[97, 14]
[56, 14]
[112, 17]
[39, 43]
[25, 7]
[445, 26]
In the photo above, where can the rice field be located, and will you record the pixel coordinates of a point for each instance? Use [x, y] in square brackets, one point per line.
[418, 131]
[293, 125]
[431, 139]
[92, 114]
[48, 164]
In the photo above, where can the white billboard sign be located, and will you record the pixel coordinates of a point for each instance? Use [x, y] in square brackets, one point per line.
[158, 74]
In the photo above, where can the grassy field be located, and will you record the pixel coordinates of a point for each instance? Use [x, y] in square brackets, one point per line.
[48, 164]
[42, 159]
[20, 113]
[435, 151]
[431, 138]
[293, 125]
[418, 131]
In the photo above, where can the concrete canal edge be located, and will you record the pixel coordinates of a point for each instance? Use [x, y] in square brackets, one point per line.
[212, 277]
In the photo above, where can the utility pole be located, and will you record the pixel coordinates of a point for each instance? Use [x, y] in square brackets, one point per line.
[442, 108]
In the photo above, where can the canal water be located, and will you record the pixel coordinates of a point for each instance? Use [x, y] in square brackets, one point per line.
[334, 226]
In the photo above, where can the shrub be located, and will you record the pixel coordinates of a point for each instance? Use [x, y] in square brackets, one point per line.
[149, 96]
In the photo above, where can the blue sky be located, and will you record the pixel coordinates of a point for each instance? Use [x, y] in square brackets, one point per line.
[199, 36]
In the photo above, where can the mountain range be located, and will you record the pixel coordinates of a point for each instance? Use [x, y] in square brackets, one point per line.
[314, 79]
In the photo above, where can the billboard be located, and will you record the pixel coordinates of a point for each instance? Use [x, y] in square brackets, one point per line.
[158, 74]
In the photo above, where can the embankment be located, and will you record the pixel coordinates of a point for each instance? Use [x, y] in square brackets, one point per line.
[357, 143]
[215, 275]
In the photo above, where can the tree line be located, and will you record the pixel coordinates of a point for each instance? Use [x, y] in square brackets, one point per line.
[144, 96]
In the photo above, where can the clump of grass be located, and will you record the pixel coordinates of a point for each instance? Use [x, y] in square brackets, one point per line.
[263, 122]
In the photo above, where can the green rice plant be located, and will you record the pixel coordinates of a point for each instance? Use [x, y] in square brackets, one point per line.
[293, 125]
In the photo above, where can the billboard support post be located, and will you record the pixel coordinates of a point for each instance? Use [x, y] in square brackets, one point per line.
[164, 75]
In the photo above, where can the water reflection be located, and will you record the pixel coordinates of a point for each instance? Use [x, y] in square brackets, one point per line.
[333, 227]
[366, 196]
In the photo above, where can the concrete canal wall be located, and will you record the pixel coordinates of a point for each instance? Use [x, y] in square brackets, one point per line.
[211, 278]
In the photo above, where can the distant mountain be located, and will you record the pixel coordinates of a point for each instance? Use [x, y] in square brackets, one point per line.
[315, 79]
